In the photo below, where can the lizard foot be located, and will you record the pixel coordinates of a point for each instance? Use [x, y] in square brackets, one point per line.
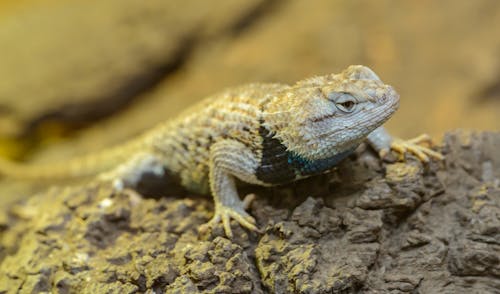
[413, 146]
[225, 213]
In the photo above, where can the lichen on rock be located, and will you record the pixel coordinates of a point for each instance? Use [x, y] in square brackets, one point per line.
[401, 227]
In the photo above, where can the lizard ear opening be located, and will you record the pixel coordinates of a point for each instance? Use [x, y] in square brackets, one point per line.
[360, 72]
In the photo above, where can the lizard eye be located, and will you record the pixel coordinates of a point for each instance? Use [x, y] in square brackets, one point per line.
[344, 102]
[347, 106]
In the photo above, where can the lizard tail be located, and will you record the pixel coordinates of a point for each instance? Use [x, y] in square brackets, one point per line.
[79, 167]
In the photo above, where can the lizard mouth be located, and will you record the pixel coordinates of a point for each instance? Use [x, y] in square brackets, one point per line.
[388, 96]
[324, 117]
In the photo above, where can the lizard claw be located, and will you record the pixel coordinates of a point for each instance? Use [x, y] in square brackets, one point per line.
[413, 146]
[224, 214]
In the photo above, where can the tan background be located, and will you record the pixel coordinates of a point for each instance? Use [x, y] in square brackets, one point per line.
[78, 75]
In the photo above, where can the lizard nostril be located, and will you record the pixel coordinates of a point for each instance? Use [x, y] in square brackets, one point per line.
[381, 99]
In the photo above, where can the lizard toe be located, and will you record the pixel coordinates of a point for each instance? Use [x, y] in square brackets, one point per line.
[248, 201]
[224, 215]
[424, 138]
[412, 146]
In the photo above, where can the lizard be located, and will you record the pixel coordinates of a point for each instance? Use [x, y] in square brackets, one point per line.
[264, 134]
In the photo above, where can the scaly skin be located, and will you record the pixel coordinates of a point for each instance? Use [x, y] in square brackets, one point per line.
[264, 134]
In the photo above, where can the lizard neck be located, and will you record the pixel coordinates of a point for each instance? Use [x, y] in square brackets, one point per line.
[306, 167]
[279, 165]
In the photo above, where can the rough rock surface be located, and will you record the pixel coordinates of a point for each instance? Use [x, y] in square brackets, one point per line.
[368, 227]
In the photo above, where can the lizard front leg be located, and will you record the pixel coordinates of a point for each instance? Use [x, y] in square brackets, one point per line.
[383, 142]
[230, 159]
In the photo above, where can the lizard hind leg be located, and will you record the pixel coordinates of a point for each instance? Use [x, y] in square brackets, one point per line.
[129, 173]
[230, 159]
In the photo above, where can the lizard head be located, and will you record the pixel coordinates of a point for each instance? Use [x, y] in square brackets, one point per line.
[327, 115]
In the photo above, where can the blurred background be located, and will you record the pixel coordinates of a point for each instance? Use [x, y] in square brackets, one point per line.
[79, 75]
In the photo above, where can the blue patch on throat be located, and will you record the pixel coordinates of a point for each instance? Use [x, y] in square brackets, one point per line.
[309, 167]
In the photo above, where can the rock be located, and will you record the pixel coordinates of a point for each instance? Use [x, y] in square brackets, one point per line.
[361, 238]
